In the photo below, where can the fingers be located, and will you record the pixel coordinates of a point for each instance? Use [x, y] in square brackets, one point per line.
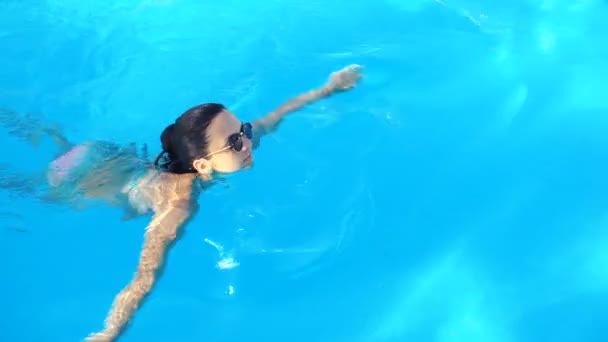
[346, 78]
[354, 68]
[99, 337]
[353, 71]
[354, 74]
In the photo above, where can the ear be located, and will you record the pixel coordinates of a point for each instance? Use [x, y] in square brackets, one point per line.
[203, 167]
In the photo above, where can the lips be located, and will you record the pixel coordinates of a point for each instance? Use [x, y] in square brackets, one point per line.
[247, 159]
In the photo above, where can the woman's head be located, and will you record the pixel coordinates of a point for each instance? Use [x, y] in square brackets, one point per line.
[205, 139]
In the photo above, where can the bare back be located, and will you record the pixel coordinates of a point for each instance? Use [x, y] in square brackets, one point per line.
[157, 191]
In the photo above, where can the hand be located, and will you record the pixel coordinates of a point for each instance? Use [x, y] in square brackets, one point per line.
[103, 336]
[346, 78]
[99, 337]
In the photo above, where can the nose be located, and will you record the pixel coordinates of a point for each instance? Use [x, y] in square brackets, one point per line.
[246, 144]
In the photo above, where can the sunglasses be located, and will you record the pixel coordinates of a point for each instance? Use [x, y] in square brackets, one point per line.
[235, 141]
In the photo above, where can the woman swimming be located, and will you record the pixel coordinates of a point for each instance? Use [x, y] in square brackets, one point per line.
[205, 140]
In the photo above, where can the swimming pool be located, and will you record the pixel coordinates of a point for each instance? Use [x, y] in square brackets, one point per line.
[458, 194]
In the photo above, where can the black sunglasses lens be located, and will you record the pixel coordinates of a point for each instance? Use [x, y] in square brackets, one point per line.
[247, 130]
[236, 142]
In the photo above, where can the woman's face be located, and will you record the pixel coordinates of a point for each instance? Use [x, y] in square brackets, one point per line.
[226, 135]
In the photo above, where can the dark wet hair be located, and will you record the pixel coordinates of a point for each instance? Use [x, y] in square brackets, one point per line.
[186, 140]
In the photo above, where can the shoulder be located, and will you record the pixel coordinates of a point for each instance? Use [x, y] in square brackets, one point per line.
[169, 190]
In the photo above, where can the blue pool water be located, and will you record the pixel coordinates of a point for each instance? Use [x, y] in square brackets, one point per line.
[459, 193]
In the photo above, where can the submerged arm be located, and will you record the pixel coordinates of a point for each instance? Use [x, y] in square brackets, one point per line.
[339, 81]
[159, 235]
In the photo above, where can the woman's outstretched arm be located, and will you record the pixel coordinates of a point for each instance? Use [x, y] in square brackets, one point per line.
[160, 233]
[341, 80]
